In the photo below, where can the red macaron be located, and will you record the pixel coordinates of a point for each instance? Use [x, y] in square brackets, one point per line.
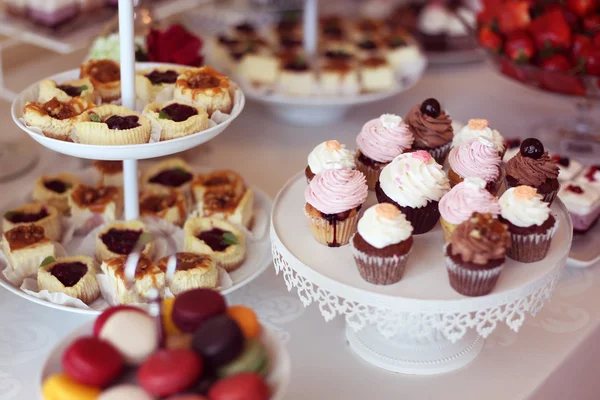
[92, 361]
[167, 372]
[247, 386]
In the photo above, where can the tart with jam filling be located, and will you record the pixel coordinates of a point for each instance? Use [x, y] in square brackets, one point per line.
[113, 125]
[56, 119]
[120, 239]
[169, 206]
[25, 247]
[105, 76]
[74, 276]
[205, 87]
[193, 271]
[172, 173]
[55, 191]
[150, 82]
[223, 241]
[147, 276]
[104, 200]
[65, 92]
[177, 118]
[35, 213]
[111, 172]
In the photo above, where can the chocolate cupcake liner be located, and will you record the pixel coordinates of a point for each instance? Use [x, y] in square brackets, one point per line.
[440, 153]
[332, 233]
[379, 270]
[471, 282]
[372, 174]
[532, 247]
[447, 229]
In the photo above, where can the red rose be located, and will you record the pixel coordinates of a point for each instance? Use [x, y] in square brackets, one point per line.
[175, 45]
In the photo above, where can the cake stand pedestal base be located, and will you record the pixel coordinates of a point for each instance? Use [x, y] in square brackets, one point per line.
[302, 115]
[414, 356]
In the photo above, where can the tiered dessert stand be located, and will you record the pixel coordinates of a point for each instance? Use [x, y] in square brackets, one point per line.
[419, 325]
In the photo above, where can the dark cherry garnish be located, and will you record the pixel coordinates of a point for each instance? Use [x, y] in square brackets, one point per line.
[591, 173]
[18, 217]
[431, 107]
[512, 143]
[532, 148]
[122, 123]
[245, 27]
[157, 77]
[214, 239]
[172, 177]
[575, 189]
[121, 241]
[69, 273]
[72, 91]
[56, 186]
[179, 112]
[367, 45]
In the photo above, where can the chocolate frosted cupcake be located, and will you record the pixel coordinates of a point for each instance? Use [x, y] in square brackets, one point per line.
[333, 201]
[476, 254]
[479, 128]
[530, 224]
[329, 154]
[414, 183]
[432, 129]
[532, 166]
[382, 244]
[478, 158]
[379, 141]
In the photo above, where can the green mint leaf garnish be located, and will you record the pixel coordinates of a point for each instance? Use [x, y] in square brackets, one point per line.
[230, 239]
[47, 260]
[82, 88]
[68, 185]
[95, 117]
[164, 115]
[10, 214]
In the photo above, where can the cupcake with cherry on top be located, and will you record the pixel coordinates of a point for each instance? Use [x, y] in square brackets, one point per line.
[478, 158]
[329, 154]
[334, 198]
[532, 166]
[379, 141]
[479, 128]
[382, 244]
[432, 129]
[530, 224]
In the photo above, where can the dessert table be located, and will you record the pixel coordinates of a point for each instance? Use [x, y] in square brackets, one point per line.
[552, 357]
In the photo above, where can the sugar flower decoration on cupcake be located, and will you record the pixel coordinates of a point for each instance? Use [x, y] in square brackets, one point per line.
[479, 128]
[329, 154]
[477, 158]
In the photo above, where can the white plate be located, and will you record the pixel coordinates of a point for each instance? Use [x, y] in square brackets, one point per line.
[278, 379]
[126, 152]
[585, 251]
[258, 256]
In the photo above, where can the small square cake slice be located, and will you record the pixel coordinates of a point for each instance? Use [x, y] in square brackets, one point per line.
[377, 74]
[25, 247]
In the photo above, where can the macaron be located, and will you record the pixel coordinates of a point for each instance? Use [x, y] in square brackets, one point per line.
[167, 320]
[63, 387]
[247, 386]
[92, 361]
[254, 358]
[219, 340]
[106, 314]
[246, 319]
[168, 372]
[131, 332]
[188, 397]
[125, 392]
[192, 308]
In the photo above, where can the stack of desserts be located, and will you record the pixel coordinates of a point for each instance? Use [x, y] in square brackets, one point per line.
[178, 102]
[354, 56]
[214, 210]
[401, 160]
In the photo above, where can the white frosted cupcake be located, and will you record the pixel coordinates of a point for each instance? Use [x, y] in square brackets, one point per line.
[479, 128]
[530, 223]
[382, 244]
[329, 154]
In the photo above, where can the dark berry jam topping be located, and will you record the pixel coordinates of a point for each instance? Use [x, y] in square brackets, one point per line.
[290, 43]
[157, 77]
[72, 91]
[591, 173]
[18, 217]
[338, 55]
[532, 148]
[367, 45]
[431, 107]
[214, 239]
[297, 64]
[122, 123]
[245, 27]
[69, 273]
[562, 161]
[56, 186]
[575, 189]
[121, 241]
[179, 112]
[333, 32]
[172, 177]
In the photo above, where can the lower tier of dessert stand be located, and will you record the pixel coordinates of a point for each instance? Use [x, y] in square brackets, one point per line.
[419, 325]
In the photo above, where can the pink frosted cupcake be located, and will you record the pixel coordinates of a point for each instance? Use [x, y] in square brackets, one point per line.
[379, 141]
[329, 154]
[462, 201]
[333, 201]
[478, 158]
[479, 128]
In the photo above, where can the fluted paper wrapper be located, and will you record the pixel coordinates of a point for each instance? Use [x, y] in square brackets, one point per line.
[380, 270]
[372, 174]
[440, 153]
[335, 233]
[422, 219]
[532, 247]
[470, 282]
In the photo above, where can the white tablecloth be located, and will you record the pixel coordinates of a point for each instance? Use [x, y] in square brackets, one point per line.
[552, 357]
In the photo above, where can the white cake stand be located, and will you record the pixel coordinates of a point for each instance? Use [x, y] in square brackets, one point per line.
[419, 325]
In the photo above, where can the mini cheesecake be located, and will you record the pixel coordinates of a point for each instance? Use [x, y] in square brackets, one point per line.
[193, 271]
[259, 64]
[169, 206]
[55, 191]
[111, 172]
[120, 238]
[338, 73]
[38, 214]
[25, 247]
[172, 173]
[56, 119]
[376, 74]
[399, 52]
[112, 125]
[223, 241]
[73, 276]
[368, 48]
[177, 118]
[147, 276]
[65, 92]
[154, 81]
[105, 76]
[296, 77]
[105, 200]
[206, 88]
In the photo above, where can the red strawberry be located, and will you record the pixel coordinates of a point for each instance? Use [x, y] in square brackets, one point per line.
[580, 42]
[596, 39]
[490, 40]
[519, 46]
[572, 19]
[514, 15]
[581, 7]
[555, 76]
[557, 63]
[591, 60]
[551, 30]
[591, 23]
[513, 70]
